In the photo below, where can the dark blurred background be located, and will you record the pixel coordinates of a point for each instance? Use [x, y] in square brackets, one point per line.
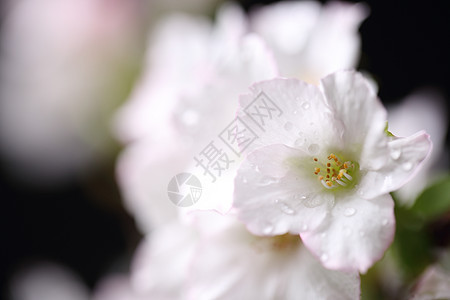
[81, 223]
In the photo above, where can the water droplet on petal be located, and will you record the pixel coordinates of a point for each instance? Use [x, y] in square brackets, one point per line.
[396, 153]
[407, 166]
[304, 227]
[300, 197]
[324, 257]
[306, 105]
[349, 211]
[385, 222]
[323, 235]
[287, 209]
[313, 148]
[313, 202]
[267, 180]
[244, 180]
[295, 112]
[288, 126]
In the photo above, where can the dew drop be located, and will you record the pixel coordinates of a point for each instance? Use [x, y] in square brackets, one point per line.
[395, 154]
[267, 180]
[349, 211]
[295, 112]
[385, 222]
[407, 166]
[313, 148]
[288, 126]
[306, 105]
[286, 209]
[324, 257]
[244, 180]
[323, 235]
[304, 227]
[300, 197]
[313, 202]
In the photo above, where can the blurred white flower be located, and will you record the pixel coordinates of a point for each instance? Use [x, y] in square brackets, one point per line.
[63, 64]
[421, 110]
[47, 281]
[217, 258]
[433, 284]
[186, 97]
[328, 174]
[309, 40]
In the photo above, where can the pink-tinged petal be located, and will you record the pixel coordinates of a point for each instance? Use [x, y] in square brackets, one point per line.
[273, 196]
[360, 115]
[406, 158]
[161, 263]
[237, 265]
[355, 235]
[290, 112]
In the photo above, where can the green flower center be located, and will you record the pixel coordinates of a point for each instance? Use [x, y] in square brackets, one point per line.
[336, 173]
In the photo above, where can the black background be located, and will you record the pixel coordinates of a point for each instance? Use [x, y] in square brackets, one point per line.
[82, 224]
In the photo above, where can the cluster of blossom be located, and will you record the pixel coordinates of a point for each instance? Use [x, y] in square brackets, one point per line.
[295, 196]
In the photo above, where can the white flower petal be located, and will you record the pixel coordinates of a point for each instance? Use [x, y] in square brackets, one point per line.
[143, 173]
[286, 26]
[406, 158]
[433, 284]
[360, 115]
[300, 117]
[272, 195]
[237, 265]
[336, 29]
[356, 233]
[423, 110]
[161, 263]
[310, 41]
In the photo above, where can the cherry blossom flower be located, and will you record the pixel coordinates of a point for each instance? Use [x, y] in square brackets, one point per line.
[215, 257]
[324, 169]
[185, 99]
[301, 34]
